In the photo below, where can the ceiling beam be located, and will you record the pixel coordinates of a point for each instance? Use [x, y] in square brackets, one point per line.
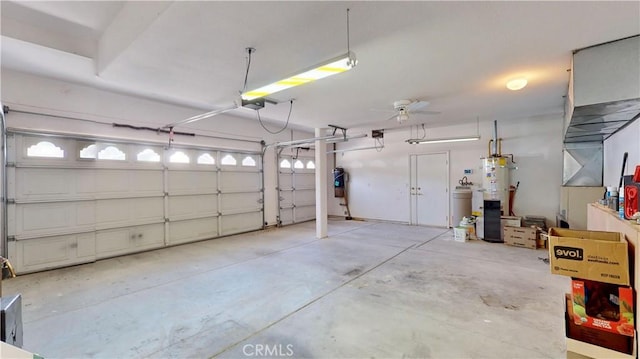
[129, 24]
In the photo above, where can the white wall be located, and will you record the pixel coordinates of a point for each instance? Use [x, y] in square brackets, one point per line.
[42, 95]
[627, 140]
[379, 181]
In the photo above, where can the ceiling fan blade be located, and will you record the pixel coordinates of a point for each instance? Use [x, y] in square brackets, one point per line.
[394, 117]
[417, 105]
[426, 112]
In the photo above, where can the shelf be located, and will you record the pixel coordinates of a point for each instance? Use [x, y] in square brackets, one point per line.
[595, 351]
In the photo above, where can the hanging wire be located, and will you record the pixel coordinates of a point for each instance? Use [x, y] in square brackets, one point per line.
[424, 132]
[285, 125]
[379, 144]
[348, 47]
[246, 74]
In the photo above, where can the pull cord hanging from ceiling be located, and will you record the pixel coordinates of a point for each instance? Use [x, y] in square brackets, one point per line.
[285, 125]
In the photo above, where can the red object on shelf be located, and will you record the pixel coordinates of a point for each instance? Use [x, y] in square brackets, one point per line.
[636, 175]
[631, 200]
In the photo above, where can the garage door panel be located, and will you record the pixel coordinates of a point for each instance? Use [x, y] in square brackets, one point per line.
[240, 202]
[128, 240]
[38, 183]
[305, 213]
[193, 230]
[286, 216]
[296, 189]
[286, 181]
[305, 197]
[51, 252]
[240, 181]
[182, 182]
[128, 182]
[128, 211]
[305, 180]
[237, 223]
[77, 200]
[42, 218]
[187, 207]
[286, 199]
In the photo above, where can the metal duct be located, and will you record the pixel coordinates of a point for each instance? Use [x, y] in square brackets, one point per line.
[583, 163]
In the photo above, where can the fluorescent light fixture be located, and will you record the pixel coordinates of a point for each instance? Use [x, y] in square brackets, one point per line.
[331, 67]
[356, 149]
[517, 84]
[415, 141]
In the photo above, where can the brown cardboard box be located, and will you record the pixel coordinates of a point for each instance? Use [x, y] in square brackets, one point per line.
[617, 342]
[521, 237]
[508, 221]
[594, 255]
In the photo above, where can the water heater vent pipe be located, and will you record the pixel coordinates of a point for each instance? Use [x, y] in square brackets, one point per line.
[495, 144]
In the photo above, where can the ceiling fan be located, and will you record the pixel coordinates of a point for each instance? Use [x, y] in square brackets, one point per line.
[403, 108]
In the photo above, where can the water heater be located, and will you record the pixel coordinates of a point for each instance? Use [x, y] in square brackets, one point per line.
[495, 181]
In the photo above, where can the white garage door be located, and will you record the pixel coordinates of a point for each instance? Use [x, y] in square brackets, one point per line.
[74, 201]
[296, 188]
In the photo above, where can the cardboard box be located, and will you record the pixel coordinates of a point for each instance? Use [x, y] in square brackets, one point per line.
[603, 306]
[521, 237]
[613, 341]
[542, 241]
[593, 255]
[510, 221]
[506, 221]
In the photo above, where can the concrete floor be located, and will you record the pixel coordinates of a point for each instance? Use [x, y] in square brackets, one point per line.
[369, 290]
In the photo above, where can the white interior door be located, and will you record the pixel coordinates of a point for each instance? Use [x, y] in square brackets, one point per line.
[429, 192]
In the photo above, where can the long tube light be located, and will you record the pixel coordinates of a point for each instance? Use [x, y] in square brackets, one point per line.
[328, 68]
[415, 141]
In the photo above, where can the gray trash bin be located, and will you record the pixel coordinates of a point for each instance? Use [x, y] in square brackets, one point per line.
[461, 205]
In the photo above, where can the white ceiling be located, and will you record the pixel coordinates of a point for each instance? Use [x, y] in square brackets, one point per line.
[456, 55]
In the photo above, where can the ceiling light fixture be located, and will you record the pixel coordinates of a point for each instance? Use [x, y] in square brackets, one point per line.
[331, 67]
[442, 140]
[516, 84]
[327, 68]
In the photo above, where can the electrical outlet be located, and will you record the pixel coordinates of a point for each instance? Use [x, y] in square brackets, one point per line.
[468, 171]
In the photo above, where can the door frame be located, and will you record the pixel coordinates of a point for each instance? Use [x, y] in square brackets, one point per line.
[413, 220]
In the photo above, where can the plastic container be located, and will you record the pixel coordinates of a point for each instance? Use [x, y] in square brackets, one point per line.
[612, 198]
[621, 203]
